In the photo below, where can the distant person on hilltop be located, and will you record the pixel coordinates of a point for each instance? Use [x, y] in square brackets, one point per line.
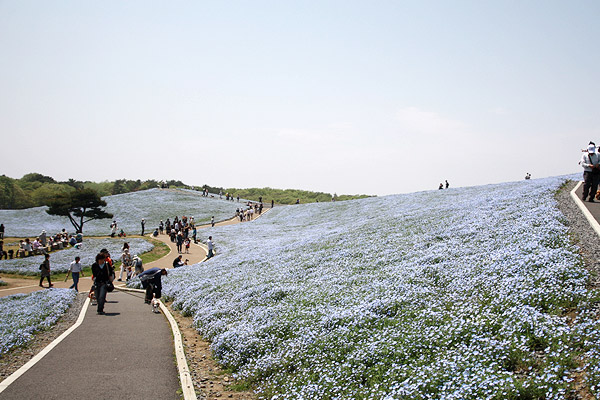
[591, 172]
[441, 186]
[528, 176]
[447, 184]
[143, 225]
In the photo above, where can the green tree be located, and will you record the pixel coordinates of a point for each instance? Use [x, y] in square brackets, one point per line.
[11, 194]
[44, 194]
[80, 206]
[37, 177]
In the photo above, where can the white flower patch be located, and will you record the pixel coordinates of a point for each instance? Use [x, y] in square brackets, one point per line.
[60, 260]
[449, 294]
[21, 315]
[128, 210]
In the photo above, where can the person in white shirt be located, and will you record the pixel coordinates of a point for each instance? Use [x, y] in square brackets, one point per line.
[211, 247]
[125, 262]
[75, 269]
[591, 172]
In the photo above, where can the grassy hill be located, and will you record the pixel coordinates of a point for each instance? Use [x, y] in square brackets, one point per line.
[455, 294]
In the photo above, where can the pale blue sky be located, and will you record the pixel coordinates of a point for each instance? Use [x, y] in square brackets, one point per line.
[338, 96]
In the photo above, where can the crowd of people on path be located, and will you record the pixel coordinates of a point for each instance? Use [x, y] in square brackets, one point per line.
[252, 210]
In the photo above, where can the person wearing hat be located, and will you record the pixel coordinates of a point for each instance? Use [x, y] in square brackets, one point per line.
[591, 172]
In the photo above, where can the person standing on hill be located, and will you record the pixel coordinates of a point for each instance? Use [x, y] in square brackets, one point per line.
[211, 247]
[212, 221]
[1, 231]
[591, 172]
[447, 184]
[143, 226]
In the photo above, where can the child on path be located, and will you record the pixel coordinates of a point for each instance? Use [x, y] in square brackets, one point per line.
[187, 245]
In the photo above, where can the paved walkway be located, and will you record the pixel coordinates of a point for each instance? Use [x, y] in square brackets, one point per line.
[593, 208]
[125, 354]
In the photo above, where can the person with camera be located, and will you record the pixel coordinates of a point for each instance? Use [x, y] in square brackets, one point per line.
[178, 262]
[591, 172]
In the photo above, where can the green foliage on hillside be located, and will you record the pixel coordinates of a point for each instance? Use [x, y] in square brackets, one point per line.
[286, 196]
[35, 189]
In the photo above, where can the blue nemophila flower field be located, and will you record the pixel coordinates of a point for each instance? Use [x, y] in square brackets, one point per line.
[465, 293]
[60, 260]
[24, 314]
[128, 210]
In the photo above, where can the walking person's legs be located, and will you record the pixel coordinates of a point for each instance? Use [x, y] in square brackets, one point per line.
[75, 281]
[594, 186]
[587, 183]
[100, 296]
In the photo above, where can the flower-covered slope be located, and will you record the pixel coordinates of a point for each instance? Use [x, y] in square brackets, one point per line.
[452, 294]
[128, 210]
[24, 314]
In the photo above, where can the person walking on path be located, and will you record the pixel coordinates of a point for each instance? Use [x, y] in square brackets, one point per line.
[125, 262]
[45, 268]
[212, 221]
[101, 272]
[75, 269]
[151, 281]
[211, 247]
[591, 172]
[143, 226]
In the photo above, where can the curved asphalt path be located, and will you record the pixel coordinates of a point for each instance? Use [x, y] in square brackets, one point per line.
[125, 354]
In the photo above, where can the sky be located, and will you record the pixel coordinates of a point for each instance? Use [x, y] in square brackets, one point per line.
[351, 97]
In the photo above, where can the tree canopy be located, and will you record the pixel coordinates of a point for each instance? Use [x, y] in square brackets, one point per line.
[80, 205]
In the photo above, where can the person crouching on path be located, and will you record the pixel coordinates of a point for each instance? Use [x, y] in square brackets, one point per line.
[591, 172]
[151, 281]
[75, 269]
[45, 268]
[101, 272]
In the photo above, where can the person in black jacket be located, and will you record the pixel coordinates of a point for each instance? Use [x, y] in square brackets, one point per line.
[151, 281]
[101, 272]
